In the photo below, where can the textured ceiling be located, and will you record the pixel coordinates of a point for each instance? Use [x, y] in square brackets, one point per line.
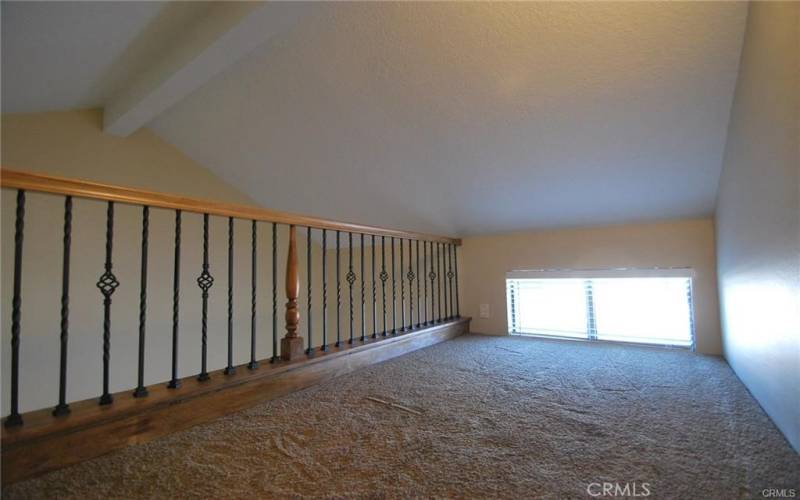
[464, 118]
[477, 117]
[68, 55]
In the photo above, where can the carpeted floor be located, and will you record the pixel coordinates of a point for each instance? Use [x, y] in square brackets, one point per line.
[475, 417]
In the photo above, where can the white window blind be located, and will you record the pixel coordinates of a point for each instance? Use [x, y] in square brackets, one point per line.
[644, 306]
[554, 307]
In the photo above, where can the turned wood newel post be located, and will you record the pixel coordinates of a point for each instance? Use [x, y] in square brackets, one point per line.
[292, 344]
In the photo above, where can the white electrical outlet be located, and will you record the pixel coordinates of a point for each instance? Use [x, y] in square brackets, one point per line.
[484, 312]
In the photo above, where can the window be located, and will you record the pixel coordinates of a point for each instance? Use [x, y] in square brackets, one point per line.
[550, 307]
[652, 306]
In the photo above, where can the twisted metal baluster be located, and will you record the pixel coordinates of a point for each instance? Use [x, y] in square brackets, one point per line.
[410, 277]
[107, 284]
[275, 356]
[253, 306]
[425, 281]
[394, 293]
[455, 261]
[443, 250]
[450, 276]
[402, 291]
[14, 417]
[443, 284]
[205, 281]
[383, 276]
[338, 293]
[438, 284]
[374, 313]
[432, 277]
[230, 370]
[310, 348]
[363, 314]
[324, 290]
[421, 277]
[141, 390]
[351, 278]
[174, 383]
[62, 408]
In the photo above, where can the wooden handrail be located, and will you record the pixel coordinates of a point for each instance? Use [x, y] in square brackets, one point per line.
[15, 179]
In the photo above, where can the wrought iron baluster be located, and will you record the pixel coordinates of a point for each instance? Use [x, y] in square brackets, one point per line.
[174, 383]
[410, 277]
[438, 284]
[443, 284]
[384, 276]
[14, 417]
[107, 284]
[424, 280]
[455, 262]
[230, 370]
[275, 356]
[62, 408]
[253, 285]
[394, 293]
[436, 299]
[374, 312]
[310, 348]
[351, 278]
[421, 277]
[432, 277]
[402, 291]
[324, 290]
[443, 281]
[450, 275]
[338, 293]
[363, 314]
[205, 281]
[141, 390]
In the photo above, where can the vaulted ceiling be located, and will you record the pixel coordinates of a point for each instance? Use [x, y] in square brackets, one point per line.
[455, 118]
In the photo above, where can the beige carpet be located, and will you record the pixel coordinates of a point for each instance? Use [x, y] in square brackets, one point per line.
[476, 417]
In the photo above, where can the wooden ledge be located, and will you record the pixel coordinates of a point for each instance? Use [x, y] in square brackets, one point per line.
[46, 443]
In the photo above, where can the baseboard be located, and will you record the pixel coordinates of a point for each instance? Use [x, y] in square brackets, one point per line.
[45, 443]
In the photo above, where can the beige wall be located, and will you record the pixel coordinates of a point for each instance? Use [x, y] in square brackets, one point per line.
[758, 207]
[486, 259]
[72, 144]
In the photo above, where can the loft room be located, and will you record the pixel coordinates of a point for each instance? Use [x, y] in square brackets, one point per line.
[395, 250]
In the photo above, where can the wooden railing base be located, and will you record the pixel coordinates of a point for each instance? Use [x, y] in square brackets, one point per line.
[47, 443]
[292, 348]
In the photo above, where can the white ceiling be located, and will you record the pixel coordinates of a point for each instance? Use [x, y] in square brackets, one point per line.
[68, 55]
[454, 118]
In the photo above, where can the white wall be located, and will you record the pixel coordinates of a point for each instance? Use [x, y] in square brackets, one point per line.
[758, 207]
[681, 243]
